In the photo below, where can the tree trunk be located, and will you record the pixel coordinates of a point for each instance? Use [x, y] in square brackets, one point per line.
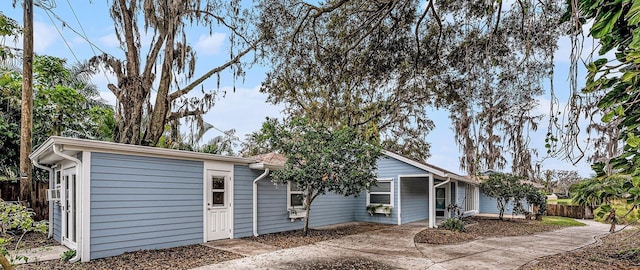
[6, 265]
[307, 203]
[26, 118]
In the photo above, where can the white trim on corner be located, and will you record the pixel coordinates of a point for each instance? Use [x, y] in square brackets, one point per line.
[399, 211]
[231, 204]
[205, 193]
[85, 207]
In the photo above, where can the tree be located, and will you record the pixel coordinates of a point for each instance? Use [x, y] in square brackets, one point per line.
[15, 217]
[612, 78]
[383, 62]
[8, 28]
[565, 179]
[507, 188]
[65, 104]
[322, 159]
[168, 68]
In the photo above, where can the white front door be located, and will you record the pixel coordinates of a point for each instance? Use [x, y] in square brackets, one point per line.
[69, 206]
[218, 205]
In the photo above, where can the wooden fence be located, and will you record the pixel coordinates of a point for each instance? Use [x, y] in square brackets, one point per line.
[564, 210]
[10, 191]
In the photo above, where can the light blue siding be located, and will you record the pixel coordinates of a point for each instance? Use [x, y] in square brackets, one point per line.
[461, 196]
[387, 168]
[273, 216]
[57, 222]
[415, 199]
[243, 200]
[490, 205]
[144, 203]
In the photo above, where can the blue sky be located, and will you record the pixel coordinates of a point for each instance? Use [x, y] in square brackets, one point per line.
[245, 109]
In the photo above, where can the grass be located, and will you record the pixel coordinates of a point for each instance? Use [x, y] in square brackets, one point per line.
[561, 201]
[561, 221]
[621, 209]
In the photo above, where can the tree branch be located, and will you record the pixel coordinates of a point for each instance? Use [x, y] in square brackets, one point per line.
[202, 78]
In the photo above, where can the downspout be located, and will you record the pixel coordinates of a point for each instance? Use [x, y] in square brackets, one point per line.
[432, 204]
[255, 200]
[78, 175]
[51, 182]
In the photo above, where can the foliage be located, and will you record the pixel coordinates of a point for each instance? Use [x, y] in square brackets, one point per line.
[322, 159]
[507, 188]
[613, 79]
[619, 192]
[535, 197]
[15, 219]
[141, 118]
[8, 28]
[561, 221]
[67, 255]
[375, 208]
[65, 104]
[453, 224]
[370, 62]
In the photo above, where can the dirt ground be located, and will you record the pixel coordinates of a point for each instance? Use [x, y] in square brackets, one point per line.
[615, 251]
[484, 227]
[296, 238]
[188, 257]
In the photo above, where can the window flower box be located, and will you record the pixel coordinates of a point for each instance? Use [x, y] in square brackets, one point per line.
[297, 213]
[379, 209]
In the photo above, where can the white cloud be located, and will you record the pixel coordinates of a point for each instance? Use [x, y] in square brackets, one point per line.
[243, 110]
[110, 40]
[210, 45]
[44, 35]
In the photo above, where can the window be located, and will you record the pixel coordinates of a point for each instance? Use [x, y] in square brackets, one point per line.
[382, 193]
[295, 196]
[217, 191]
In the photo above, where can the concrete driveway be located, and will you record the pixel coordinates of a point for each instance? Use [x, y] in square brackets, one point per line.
[395, 247]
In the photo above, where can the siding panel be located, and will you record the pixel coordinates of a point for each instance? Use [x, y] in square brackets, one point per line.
[272, 206]
[415, 199]
[57, 222]
[489, 205]
[387, 168]
[144, 203]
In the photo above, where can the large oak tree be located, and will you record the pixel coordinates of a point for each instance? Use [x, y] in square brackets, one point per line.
[156, 83]
[383, 62]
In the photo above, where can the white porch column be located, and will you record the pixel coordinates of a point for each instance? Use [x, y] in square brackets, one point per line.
[432, 205]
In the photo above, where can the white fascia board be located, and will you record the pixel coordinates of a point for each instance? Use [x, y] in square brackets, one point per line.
[414, 163]
[119, 148]
[262, 166]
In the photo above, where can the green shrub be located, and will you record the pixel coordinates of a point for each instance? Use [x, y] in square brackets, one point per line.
[453, 224]
[67, 255]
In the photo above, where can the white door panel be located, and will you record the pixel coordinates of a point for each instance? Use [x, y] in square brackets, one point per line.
[218, 205]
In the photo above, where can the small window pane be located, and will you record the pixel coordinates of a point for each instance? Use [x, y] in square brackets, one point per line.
[382, 187]
[218, 182]
[297, 200]
[218, 198]
[379, 199]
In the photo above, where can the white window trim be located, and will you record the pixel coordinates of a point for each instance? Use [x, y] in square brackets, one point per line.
[289, 193]
[391, 189]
